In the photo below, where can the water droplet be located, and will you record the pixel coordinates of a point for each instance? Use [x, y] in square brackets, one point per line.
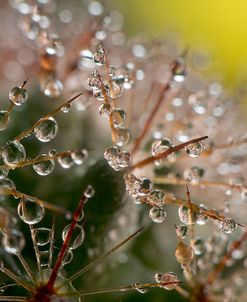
[44, 258]
[198, 246]
[68, 257]
[14, 242]
[85, 59]
[193, 150]
[166, 278]
[184, 253]
[186, 215]
[157, 197]
[42, 236]
[160, 146]
[228, 225]
[4, 119]
[122, 136]
[47, 130]
[94, 82]
[3, 172]
[7, 183]
[140, 289]
[157, 215]
[30, 211]
[89, 192]
[99, 95]
[105, 110]
[202, 218]
[244, 195]
[182, 231]
[144, 186]
[18, 96]
[54, 46]
[118, 117]
[45, 167]
[99, 57]
[193, 174]
[52, 88]
[66, 108]
[13, 153]
[123, 159]
[77, 237]
[65, 160]
[79, 156]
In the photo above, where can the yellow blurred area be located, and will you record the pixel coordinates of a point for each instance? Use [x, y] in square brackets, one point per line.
[216, 25]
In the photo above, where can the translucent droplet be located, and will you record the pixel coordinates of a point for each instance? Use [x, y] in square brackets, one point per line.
[194, 150]
[44, 258]
[94, 82]
[14, 242]
[184, 253]
[66, 108]
[198, 246]
[140, 289]
[105, 110]
[89, 192]
[156, 197]
[13, 153]
[79, 156]
[122, 136]
[77, 237]
[228, 225]
[123, 159]
[65, 160]
[99, 57]
[166, 278]
[18, 96]
[118, 117]
[244, 195]
[85, 59]
[186, 215]
[144, 186]
[157, 215]
[53, 88]
[42, 236]
[4, 119]
[68, 257]
[114, 91]
[99, 95]
[193, 174]
[179, 72]
[47, 130]
[54, 46]
[160, 146]
[3, 172]
[7, 183]
[182, 231]
[202, 218]
[45, 167]
[30, 211]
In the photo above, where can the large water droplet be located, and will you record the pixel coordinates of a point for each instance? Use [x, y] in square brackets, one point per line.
[45, 167]
[77, 237]
[194, 150]
[13, 153]
[18, 96]
[47, 130]
[42, 236]
[157, 215]
[52, 88]
[65, 160]
[3, 172]
[14, 242]
[30, 211]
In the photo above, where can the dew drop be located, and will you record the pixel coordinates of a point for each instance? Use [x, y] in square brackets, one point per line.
[3, 172]
[198, 246]
[184, 253]
[54, 46]
[30, 211]
[4, 119]
[68, 257]
[77, 237]
[157, 197]
[123, 159]
[65, 160]
[79, 156]
[194, 150]
[7, 183]
[47, 130]
[66, 108]
[118, 117]
[166, 278]
[182, 231]
[160, 146]
[13, 242]
[89, 192]
[157, 215]
[105, 110]
[18, 96]
[193, 174]
[99, 57]
[42, 236]
[13, 153]
[53, 88]
[45, 167]
[44, 258]
[122, 136]
[140, 289]
[228, 225]
[186, 215]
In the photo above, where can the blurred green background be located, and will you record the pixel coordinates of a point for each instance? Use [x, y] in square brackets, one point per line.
[218, 26]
